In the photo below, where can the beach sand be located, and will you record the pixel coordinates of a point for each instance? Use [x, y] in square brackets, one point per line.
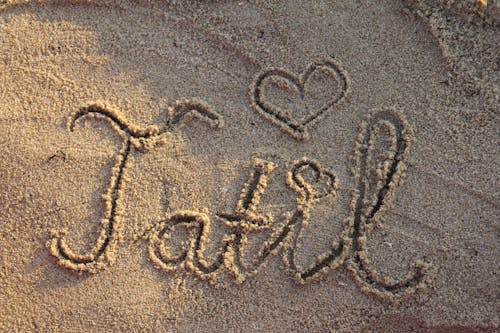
[244, 166]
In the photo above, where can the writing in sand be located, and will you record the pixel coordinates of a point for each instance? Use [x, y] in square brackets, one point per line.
[379, 158]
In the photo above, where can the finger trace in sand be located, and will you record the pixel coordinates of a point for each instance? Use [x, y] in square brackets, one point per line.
[286, 120]
[375, 190]
[377, 176]
[104, 251]
[368, 208]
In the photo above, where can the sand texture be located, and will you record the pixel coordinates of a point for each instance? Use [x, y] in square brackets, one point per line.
[249, 166]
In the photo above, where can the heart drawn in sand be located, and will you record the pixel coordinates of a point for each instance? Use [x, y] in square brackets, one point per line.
[293, 102]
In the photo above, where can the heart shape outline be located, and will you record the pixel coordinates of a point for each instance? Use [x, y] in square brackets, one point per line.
[297, 128]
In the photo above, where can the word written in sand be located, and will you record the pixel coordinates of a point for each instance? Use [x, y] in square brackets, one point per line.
[326, 75]
[377, 176]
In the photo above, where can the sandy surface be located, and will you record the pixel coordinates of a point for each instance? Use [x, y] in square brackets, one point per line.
[326, 166]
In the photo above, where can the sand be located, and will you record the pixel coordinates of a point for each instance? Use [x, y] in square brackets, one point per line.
[243, 166]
